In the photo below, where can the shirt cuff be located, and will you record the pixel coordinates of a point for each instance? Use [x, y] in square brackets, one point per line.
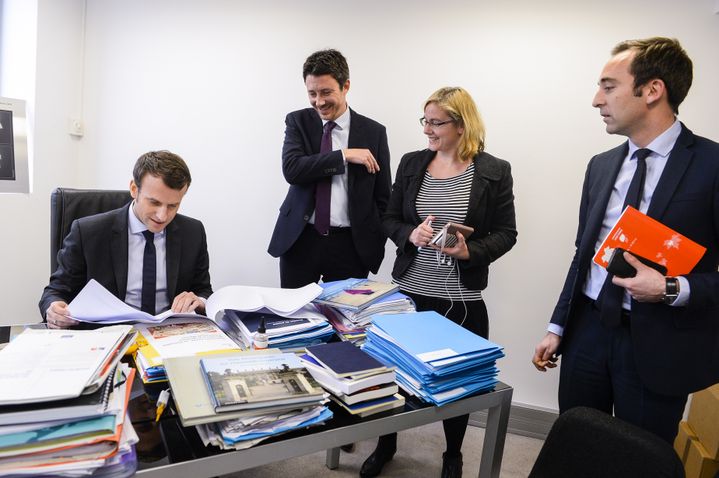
[556, 329]
[684, 292]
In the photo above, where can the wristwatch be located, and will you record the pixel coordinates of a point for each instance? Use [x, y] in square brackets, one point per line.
[671, 292]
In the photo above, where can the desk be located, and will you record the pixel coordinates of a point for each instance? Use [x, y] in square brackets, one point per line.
[345, 429]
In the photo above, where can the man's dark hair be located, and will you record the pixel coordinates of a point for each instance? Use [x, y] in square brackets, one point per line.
[662, 58]
[163, 164]
[327, 62]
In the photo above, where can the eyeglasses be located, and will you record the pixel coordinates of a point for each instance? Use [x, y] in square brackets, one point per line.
[433, 124]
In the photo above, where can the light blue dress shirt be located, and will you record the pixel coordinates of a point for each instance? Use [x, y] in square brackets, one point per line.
[135, 258]
[661, 147]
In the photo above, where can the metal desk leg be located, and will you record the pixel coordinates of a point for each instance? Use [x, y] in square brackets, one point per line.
[333, 458]
[494, 436]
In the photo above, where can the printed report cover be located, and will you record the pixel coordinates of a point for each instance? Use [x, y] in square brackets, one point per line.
[239, 382]
[638, 233]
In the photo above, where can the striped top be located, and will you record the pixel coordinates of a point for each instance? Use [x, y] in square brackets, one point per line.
[447, 200]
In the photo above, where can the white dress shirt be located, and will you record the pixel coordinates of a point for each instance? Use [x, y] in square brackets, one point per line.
[339, 204]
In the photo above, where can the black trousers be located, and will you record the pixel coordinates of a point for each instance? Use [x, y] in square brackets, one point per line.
[476, 320]
[314, 256]
[598, 371]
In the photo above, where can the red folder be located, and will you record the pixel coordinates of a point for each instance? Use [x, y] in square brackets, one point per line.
[643, 236]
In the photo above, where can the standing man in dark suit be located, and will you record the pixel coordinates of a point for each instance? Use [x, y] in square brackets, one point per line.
[638, 346]
[144, 253]
[337, 164]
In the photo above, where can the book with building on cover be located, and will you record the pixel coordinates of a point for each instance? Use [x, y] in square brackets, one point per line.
[191, 397]
[246, 381]
[643, 236]
[353, 294]
[344, 359]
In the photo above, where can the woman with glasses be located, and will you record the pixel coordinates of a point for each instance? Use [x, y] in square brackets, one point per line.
[453, 180]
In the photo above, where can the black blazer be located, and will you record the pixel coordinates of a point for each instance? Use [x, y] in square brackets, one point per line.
[676, 348]
[96, 248]
[490, 213]
[303, 166]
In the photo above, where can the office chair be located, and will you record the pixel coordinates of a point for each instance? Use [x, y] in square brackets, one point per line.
[66, 205]
[587, 443]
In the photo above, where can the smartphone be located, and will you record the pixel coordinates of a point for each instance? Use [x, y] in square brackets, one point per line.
[620, 267]
[450, 230]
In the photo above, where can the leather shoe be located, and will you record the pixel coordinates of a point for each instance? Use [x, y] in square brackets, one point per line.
[348, 448]
[451, 466]
[372, 466]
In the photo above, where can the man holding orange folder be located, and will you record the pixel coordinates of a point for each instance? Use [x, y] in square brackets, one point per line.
[637, 346]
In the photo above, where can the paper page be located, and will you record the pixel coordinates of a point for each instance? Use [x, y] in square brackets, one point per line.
[96, 304]
[43, 365]
[251, 299]
[183, 337]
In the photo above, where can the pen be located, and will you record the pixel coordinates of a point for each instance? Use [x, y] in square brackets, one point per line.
[162, 403]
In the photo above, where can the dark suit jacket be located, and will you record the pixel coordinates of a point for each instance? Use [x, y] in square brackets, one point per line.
[676, 348]
[490, 213]
[303, 166]
[96, 248]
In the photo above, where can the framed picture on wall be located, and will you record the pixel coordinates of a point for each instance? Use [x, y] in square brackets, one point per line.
[14, 173]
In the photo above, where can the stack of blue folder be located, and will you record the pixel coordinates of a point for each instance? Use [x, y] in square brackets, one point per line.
[436, 359]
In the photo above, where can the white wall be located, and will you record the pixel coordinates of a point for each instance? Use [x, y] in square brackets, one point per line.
[213, 81]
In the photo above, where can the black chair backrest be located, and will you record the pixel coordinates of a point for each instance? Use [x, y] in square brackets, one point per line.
[66, 205]
[587, 443]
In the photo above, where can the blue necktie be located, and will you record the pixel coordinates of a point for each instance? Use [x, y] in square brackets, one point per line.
[149, 274]
[323, 190]
[610, 297]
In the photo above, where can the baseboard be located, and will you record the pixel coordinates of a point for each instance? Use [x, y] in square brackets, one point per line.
[523, 420]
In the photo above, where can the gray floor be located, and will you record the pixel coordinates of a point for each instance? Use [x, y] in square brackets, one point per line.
[419, 454]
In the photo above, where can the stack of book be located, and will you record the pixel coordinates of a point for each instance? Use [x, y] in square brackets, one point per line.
[304, 327]
[55, 417]
[436, 359]
[237, 400]
[175, 338]
[350, 304]
[358, 383]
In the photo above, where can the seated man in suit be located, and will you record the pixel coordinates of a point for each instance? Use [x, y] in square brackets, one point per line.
[337, 164]
[145, 253]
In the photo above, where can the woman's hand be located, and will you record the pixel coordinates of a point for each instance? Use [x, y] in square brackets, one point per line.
[422, 234]
[458, 251]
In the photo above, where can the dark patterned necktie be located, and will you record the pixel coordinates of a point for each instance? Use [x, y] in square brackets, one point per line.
[323, 190]
[149, 274]
[610, 297]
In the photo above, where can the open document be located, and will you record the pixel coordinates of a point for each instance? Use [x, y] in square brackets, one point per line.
[96, 304]
[283, 302]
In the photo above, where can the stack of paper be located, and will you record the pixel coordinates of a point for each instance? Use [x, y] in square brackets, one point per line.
[73, 437]
[295, 332]
[238, 399]
[350, 304]
[436, 359]
[358, 383]
[43, 365]
[175, 338]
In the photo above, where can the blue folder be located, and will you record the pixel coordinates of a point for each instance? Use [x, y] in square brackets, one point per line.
[432, 337]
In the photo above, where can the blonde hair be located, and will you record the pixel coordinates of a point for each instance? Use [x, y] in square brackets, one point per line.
[460, 106]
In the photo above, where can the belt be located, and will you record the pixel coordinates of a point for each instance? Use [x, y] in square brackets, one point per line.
[624, 319]
[332, 231]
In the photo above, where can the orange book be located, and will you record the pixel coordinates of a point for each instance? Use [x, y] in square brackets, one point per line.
[643, 236]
